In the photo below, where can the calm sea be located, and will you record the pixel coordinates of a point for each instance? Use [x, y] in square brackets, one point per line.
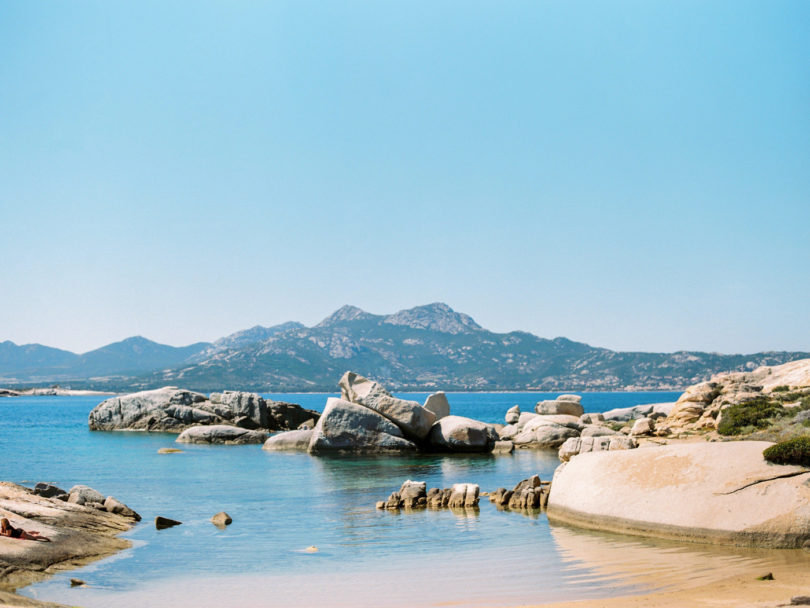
[283, 503]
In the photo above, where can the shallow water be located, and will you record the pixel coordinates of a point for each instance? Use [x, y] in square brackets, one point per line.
[282, 503]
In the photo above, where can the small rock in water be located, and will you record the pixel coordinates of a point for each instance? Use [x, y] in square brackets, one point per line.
[766, 577]
[169, 451]
[77, 582]
[165, 522]
[221, 519]
[311, 549]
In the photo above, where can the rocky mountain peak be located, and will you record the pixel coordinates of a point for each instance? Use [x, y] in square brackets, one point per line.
[343, 314]
[435, 317]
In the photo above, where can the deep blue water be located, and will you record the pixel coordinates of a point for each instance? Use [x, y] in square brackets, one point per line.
[282, 503]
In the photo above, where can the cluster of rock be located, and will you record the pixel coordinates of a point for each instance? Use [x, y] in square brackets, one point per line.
[414, 495]
[649, 410]
[530, 493]
[559, 422]
[87, 496]
[699, 407]
[171, 409]
[367, 418]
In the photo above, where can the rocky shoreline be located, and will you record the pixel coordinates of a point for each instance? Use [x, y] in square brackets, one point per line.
[658, 470]
[82, 525]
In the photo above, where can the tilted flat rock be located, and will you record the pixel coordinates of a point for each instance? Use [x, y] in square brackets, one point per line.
[221, 434]
[414, 420]
[349, 427]
[723, 492]
[289, 441]
[460, 434]
[564, 404]
[438, 404]
[79, 534]
[171, 409]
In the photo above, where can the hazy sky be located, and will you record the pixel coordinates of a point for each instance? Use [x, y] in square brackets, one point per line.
[634, 175]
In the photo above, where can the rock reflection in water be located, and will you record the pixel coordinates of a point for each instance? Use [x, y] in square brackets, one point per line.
[657, 564]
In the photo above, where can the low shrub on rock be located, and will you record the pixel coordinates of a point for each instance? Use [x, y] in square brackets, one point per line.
[792, 451]
[748, 416]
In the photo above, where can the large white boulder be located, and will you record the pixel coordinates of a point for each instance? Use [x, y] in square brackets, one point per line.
[289, 441]
[564, 404]
[512, 414]
[722, 492]
[349, 427]
[460, 434]
[547, 432]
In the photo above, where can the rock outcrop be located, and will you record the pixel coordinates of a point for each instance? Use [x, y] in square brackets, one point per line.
[414, 420]
[651, 410]
[583, 445]
[528, 494]
[699, 407]
[719, 492]
[79, 534]
[221, 434]
[173, 410]
[349, 427]
[547, 431]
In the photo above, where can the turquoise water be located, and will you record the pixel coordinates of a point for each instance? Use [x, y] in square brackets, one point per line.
[282, 503]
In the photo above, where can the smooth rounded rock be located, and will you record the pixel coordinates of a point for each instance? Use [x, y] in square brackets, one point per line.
[221, 519]
[708, 492]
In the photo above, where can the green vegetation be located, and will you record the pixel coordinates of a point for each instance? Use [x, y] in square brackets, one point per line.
[782, 388]
[749, 416]
[792, 451]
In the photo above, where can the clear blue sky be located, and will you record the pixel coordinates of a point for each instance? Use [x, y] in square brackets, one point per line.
[635, 175]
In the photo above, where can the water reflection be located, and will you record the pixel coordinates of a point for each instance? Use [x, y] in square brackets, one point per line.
[594, 557]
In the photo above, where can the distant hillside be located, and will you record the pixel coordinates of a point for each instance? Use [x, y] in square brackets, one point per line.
[426, 347]
[33, 363]
[22, 358]
[433, 346]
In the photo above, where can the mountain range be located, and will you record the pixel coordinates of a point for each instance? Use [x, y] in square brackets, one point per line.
[428, 347]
